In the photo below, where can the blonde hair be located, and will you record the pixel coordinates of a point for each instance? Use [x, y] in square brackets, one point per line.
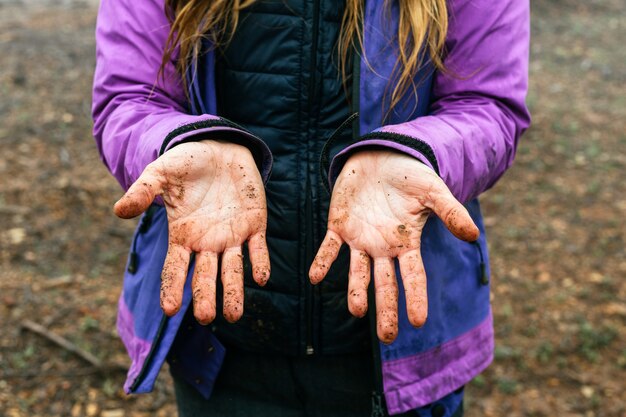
[422, 29]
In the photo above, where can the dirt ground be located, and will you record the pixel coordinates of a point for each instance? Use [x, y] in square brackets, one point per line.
[555, 223]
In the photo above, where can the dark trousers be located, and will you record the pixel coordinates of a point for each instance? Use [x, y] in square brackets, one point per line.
[259, 385]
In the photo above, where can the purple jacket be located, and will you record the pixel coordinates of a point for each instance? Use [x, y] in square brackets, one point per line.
[467, 132]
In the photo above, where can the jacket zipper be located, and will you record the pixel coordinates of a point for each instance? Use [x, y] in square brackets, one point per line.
[133, 263]
[310, 291]
[146, 363]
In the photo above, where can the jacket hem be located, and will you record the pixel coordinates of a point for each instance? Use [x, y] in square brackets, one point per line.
[137, 348]
[438, 371]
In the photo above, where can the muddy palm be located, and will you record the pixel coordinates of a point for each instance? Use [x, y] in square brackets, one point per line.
[379, 206]
[215, 202]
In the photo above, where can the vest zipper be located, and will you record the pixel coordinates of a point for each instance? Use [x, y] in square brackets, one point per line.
[310, 291]
[378, 405]
[314, 41]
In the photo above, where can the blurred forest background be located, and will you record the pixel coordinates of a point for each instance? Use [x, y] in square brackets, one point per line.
[555, 222]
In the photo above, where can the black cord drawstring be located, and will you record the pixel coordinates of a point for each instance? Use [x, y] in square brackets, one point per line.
[144, 225]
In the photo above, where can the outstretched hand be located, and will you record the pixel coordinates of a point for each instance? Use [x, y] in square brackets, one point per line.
[215, 201]
[379, 206]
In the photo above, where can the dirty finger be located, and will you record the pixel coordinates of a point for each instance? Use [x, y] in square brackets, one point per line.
[358, 281]
[173, 278]
[386, 289]
[454, 215]
[325, 257]
[259, 258]
[232, 281]
[203, 287]
[139, 196]
[414, 280]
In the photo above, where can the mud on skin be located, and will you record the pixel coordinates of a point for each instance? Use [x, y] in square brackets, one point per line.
[358, 283]
[170, 303]
[388, 326]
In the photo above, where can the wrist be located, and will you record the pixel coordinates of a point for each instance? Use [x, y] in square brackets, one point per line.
[223, 145]
[378, 157]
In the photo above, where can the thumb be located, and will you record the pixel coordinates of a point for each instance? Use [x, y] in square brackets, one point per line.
[326, 255]
[454, 215]
[139, 196]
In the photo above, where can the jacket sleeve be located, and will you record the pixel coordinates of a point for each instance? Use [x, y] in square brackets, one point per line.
[478, 110]
[138, 114]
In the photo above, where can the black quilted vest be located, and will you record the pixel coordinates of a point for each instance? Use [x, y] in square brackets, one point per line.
[279, 78]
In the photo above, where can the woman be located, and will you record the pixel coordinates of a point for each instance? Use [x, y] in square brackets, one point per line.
[196, 101]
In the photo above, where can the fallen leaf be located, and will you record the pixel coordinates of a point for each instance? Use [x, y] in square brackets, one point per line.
[112, 413]
[16, 235]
